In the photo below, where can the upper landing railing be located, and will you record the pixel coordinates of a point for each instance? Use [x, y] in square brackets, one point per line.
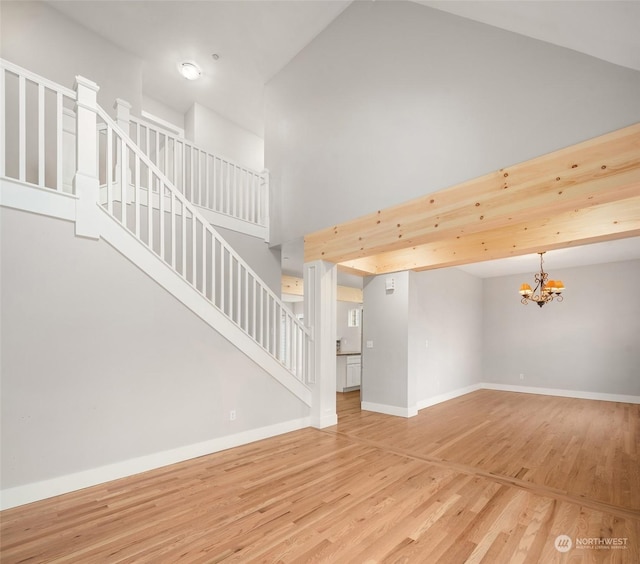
[209, 181]
[60, 139]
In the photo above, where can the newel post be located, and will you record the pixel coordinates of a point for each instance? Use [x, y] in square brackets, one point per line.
[86, 184]
[320, 295]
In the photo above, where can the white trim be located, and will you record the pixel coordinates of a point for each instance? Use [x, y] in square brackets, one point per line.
[43, 201]
[389, 409]
[36, 491]
[577, 394]
[428, 402]
[324, 421]
[166, 125]
[233, 223]
[33, 77]
[434, 400]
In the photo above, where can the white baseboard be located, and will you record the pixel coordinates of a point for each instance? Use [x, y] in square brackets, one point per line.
[36, 491]
[389, 409]
[428, 402]
[434, 400]
[620, 398]
[324, 421]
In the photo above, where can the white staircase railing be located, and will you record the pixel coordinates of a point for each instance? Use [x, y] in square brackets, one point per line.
[209, 181]
[37, 119]
[136, 193]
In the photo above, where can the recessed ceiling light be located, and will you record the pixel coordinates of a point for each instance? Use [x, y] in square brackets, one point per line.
[189, 70]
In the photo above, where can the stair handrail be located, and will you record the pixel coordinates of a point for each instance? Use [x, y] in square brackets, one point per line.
[291, 320]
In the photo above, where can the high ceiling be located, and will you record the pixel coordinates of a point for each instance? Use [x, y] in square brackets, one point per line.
[255, 39]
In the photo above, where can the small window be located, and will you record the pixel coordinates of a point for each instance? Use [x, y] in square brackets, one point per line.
[354, 317]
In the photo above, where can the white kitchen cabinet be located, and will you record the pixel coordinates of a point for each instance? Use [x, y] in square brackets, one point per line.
[354, 367]
[348, 372]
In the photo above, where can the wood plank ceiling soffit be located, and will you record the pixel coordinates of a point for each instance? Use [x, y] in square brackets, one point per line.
[582, 194]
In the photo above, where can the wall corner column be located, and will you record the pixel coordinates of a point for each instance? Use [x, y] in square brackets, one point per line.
[320, 294]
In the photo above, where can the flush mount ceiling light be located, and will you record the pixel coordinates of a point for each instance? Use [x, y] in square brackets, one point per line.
[545, 290]
[189, 70]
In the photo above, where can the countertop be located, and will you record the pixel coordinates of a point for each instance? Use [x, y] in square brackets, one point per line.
[348, 353]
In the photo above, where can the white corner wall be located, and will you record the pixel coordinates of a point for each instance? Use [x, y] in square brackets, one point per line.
[216, 134]
[103, 369]
[394, 100]
[589, 343]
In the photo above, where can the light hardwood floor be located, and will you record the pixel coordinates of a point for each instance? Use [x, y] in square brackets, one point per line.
[488, 477]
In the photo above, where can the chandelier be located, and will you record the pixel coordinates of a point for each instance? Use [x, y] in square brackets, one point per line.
[545, 290]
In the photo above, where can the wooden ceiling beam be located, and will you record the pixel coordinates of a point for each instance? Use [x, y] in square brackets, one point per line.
[597, 171]
[609, 221]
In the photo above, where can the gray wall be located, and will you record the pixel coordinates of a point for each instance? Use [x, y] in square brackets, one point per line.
[385, 366]
[394, 100]
[100, 365]
[590, 342]
[446, 310]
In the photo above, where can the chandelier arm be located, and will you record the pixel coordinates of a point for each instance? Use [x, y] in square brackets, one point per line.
[542, 293]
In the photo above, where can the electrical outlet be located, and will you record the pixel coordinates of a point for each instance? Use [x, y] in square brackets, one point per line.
[521, 376]
[369, 344]
[232, 415]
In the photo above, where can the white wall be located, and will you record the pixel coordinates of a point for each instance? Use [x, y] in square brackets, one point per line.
[394, 100]
[100, 365]
[216, 134]
[162, 111]
[590, 342]
[445, 309]
[264, 261]
[350, 336]
[39, 38]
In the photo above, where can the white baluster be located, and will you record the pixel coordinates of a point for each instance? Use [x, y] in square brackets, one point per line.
[264, 208]
[41, 153]
[3, 129]
[136, 188]
[22, 129]
[150, 208]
